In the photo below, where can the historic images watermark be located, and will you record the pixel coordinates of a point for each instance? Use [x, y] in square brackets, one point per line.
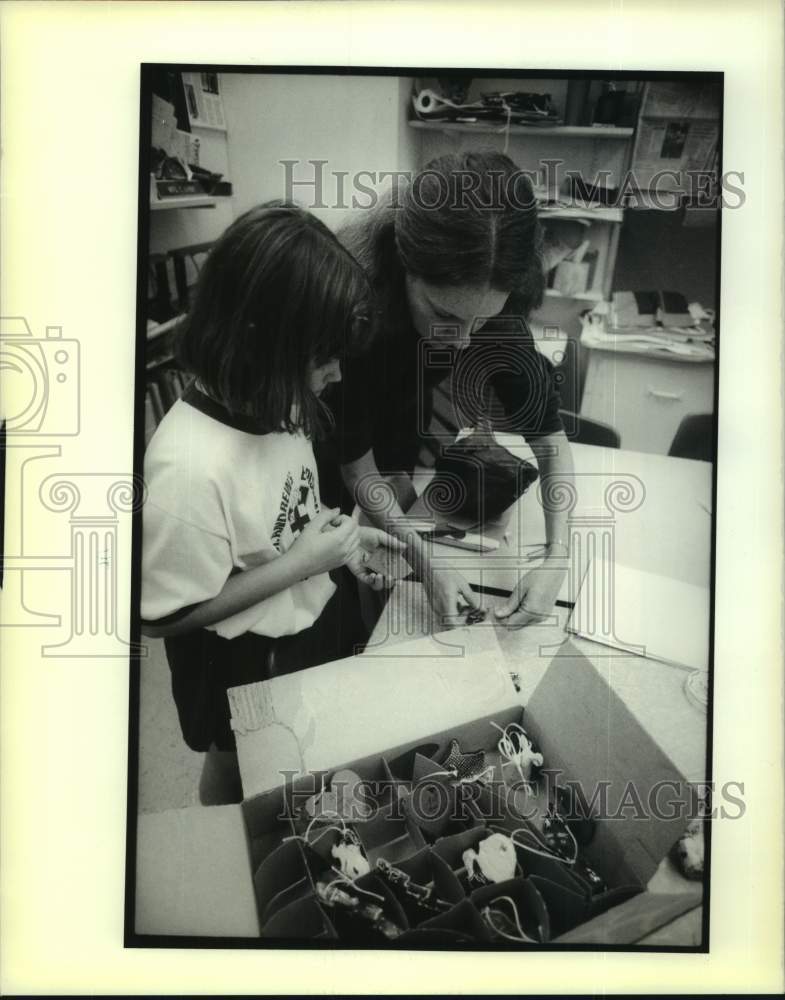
[501, 801]
[42, 406]
[314, 185]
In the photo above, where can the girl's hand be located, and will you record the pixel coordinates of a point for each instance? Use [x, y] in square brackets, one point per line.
[449, 595]
[534, 597]
[372, 539]
[328, 541]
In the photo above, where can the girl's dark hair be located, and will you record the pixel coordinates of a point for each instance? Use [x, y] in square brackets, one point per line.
[465, 219]
[276, 292]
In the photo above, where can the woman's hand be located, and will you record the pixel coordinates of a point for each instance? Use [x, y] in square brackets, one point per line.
[534, 597]
[371, 540]
[328, 541]
[449, 595]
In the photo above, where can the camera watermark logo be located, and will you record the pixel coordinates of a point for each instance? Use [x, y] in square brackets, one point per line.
[41, 380]
[41, 404]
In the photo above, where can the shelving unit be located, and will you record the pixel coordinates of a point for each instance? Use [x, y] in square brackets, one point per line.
[197, 201]
[565, 131]
[592, 213]
[593, 146]
[588, 296]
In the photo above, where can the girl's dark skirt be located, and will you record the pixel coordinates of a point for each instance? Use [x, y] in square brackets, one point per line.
[204, 665]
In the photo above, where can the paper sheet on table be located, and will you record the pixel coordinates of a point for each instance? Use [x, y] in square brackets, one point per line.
[645, 613]
[330, 715]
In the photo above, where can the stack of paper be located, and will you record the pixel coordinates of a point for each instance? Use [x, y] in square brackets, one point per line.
[643, 613]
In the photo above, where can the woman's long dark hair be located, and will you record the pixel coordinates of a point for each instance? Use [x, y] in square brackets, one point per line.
[465, 219]
[278, 291]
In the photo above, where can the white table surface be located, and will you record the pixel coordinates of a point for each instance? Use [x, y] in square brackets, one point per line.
[668, 532]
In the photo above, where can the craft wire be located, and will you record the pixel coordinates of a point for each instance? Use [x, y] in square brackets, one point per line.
[343, 877]
[508, 751]
[488, 912]
[545, 852]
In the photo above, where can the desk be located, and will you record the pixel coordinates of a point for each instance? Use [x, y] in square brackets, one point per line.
[654, 511]
[667, 532]
[644, 395]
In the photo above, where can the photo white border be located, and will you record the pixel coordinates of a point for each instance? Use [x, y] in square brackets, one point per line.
[70, 132]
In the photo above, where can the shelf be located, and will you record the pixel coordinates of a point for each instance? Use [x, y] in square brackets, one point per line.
[551, 293]
[599, 214]
[642, 200]
[556, 131]
[195, 201]
[158, 329]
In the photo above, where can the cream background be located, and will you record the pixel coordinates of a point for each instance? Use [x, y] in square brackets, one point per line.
[70, 110]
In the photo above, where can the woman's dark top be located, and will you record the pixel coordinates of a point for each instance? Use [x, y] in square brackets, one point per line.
[385, 400]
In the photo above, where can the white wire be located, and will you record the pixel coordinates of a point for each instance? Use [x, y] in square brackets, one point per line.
[511, 753]
[546, 852]
[343, 877]
[487, 912]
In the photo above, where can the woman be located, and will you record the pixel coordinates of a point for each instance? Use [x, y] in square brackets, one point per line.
[456, 253]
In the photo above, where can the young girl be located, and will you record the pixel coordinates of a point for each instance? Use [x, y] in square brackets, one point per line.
[237, 550]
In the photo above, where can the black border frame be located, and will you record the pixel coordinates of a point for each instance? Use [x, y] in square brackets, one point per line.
[133, 940]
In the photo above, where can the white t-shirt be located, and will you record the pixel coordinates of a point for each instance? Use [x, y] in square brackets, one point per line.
[221, 498]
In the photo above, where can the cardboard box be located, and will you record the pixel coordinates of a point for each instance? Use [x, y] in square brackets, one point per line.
[233, 871]
[314, 719]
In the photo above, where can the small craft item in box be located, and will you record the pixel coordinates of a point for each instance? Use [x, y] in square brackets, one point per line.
[362, 913]
[514, 910]
[422, 870]
[423, 884]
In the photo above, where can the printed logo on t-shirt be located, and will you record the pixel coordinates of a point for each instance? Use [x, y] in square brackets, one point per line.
[297, 508]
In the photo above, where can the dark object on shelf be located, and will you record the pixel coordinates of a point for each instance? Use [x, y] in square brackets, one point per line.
[576, 111]
[169, 86]
[171, 169]
[617, 107]
[517, 107]
[210, 182]
[178, 188]
[581, 430]
[520, 103]
[694, 438]
[454, 88]
[673, 310]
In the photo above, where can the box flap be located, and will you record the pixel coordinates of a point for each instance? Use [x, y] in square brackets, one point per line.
[629, 922]
[588, 732]
[193, 874]
[321, 718]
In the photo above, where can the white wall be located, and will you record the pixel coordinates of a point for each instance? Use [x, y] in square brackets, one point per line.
[354, 123]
